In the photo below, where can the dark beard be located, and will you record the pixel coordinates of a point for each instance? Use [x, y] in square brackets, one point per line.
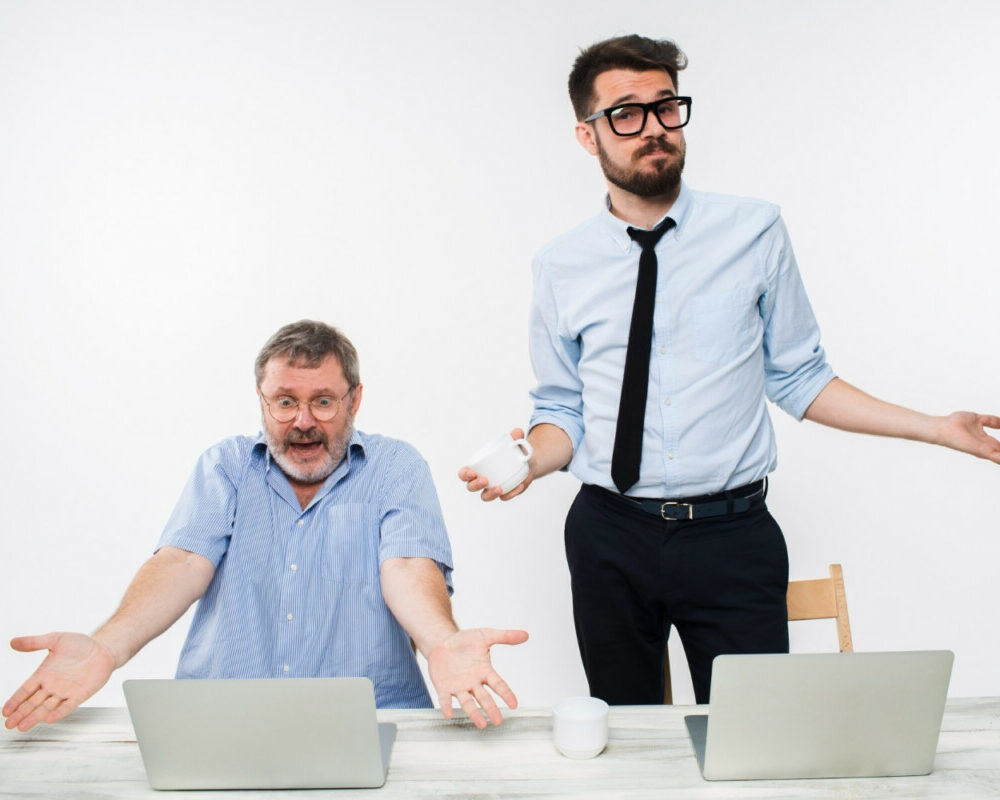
[665, 180]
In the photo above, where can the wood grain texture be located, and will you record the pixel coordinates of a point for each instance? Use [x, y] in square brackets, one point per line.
[92, 755]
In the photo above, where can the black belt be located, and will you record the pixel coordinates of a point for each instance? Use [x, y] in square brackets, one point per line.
[732, 501]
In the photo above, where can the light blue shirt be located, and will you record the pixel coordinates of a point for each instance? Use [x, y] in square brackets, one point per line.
[732, 325]
[296, 593]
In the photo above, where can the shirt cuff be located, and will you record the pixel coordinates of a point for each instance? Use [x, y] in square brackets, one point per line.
[798, 403]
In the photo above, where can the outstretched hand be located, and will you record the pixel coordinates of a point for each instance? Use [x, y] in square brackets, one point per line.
[460, 667]
[966, 431]
[77, 666]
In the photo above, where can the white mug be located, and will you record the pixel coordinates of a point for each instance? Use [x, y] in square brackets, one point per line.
[503, 462]
[580, 726]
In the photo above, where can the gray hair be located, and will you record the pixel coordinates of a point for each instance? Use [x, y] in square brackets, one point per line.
[307, 343]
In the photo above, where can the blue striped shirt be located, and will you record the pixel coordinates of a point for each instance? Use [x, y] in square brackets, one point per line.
[296, 593]
[732, 326]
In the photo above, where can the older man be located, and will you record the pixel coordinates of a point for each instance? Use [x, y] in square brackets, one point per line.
[313, 549]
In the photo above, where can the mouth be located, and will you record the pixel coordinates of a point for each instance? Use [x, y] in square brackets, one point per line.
[304, 450]
[656, 150]
[656, 153]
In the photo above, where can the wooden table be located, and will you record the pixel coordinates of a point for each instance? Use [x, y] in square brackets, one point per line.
[92, 755]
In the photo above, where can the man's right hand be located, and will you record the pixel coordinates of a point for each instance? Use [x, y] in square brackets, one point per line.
[478, 483]
[77, 666]
[552, 450]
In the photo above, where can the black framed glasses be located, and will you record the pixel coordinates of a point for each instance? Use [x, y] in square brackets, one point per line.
[629, 119]
[285, 408]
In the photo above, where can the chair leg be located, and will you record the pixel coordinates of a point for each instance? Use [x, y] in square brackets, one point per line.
[843, 621]
[668, 695]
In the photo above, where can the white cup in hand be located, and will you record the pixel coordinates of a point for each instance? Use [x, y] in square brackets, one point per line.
[580, 726]
[503, 462]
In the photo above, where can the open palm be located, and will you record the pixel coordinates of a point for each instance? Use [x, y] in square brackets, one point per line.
[966, 431]
[75, 668]
[460, 667]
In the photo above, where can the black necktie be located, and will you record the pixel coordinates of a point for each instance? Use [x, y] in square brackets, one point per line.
[635, 382]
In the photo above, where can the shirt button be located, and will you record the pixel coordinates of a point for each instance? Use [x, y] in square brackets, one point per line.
[670, 455]
[294, 567]
[301, 522]
[289, 617]
[287, 668]
[666, 401]
[663, 351]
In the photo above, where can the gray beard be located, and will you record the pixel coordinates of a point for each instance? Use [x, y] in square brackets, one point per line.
[335, 452]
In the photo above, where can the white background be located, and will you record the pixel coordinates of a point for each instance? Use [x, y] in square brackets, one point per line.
[178, 179]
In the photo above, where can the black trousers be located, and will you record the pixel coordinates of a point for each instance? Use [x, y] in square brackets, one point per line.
[721, 582]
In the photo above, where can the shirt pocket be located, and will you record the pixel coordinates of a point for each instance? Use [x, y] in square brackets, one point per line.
[350, 544]
[723, 324]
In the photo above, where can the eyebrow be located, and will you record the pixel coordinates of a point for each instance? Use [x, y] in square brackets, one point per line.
[284, 391]
[631, 98]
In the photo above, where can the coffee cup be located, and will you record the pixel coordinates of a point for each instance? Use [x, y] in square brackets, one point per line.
[580, 726]
[503, 462]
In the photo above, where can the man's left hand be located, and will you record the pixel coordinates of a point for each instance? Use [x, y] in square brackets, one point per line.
[460, 667]
[966, 431]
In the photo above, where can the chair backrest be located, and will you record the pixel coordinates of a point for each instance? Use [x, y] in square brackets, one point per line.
[821, 598]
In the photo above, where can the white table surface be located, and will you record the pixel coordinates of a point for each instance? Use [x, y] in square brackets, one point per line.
[92, 755]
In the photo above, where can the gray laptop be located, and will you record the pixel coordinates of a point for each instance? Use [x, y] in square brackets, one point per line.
[291, 733]
[822, 715]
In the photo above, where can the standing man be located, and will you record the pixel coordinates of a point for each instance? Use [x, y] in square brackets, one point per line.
[313, 550]
[658, 330]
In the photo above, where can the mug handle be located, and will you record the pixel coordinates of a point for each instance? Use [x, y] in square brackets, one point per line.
[527, 448]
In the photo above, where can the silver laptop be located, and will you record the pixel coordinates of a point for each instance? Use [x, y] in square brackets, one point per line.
[822, 715]
[291, 733]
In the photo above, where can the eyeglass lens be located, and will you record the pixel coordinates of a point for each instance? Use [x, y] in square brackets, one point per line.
[631, 117]
[285, 409]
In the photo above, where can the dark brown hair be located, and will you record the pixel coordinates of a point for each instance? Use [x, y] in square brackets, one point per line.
[623, 52]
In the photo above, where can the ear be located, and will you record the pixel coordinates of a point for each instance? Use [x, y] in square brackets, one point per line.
[586, 137]
[356, 401]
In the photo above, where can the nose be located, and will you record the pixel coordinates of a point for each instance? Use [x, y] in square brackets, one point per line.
[650, 125]
[304, 418]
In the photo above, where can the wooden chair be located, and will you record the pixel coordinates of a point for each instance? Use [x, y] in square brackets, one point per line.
[822, 598]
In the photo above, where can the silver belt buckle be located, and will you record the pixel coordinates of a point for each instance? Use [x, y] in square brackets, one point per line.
[663, 512]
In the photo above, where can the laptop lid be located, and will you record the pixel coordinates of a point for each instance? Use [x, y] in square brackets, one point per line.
[292, 733]
[822, 715]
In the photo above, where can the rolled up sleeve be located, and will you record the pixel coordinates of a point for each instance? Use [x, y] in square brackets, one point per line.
[558, 394]
[795, 364]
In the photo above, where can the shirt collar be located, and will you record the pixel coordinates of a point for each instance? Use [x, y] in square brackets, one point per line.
[617, 228]
[355, 446]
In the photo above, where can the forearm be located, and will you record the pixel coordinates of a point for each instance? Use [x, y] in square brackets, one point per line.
[162, 590]
[415, 592]
[843, 406]
[552, 447]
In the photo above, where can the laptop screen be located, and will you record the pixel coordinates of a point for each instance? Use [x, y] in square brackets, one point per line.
[290, 733]
[823, 715]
